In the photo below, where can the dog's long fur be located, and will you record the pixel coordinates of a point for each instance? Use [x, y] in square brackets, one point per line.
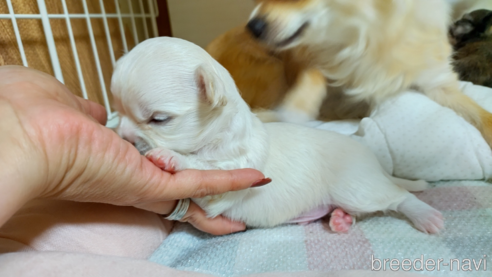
[372, 50]
[265, 78]
[173, 96]
[471, 37]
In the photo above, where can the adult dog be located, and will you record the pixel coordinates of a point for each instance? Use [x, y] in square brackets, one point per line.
[366, 51]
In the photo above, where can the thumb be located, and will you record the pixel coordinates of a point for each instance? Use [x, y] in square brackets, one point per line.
[200, 183]
[95, 110]
[128, 178]
[195, 183]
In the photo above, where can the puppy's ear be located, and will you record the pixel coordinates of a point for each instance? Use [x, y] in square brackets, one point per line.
[211, 86]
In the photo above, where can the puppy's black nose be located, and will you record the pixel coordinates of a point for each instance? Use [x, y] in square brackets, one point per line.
[257, 26]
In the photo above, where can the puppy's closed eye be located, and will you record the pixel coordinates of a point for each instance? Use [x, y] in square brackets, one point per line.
[160, 119]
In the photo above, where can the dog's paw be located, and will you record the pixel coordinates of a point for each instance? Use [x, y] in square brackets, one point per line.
[293, 116]
[266, 116]
[165, 159]
[340, 221]
[430, 223]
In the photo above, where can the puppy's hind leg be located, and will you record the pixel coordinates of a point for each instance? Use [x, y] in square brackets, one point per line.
[381, 193]
[424, 217]
[442, 86]
[340, 221]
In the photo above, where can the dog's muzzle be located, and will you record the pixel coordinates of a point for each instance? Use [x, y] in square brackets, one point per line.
[257, 26]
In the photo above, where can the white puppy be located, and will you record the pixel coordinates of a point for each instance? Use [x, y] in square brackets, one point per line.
[175, 99]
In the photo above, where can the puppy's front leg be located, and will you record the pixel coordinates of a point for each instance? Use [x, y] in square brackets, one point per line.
[171, 161]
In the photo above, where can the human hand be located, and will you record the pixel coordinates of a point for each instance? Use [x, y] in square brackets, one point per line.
[53, 145]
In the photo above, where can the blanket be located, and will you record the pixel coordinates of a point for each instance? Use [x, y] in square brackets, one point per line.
[415, 138]
[464, 246]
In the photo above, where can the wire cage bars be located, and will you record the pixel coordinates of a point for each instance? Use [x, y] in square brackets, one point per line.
[132, 21]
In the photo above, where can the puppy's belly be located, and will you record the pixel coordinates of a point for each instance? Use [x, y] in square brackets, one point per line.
[279, 202]
[263, 209]
[313, 215]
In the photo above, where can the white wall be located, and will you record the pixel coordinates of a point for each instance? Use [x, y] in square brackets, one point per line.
[200, 21]
[465, 6]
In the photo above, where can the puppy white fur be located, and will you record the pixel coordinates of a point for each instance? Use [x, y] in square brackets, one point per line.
[174, 98]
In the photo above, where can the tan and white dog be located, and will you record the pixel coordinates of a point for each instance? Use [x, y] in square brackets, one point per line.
[184, 106]
[370, 50]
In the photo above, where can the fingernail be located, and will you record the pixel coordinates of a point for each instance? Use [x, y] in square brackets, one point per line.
[239, 230]
[239, 227]
[261, 182]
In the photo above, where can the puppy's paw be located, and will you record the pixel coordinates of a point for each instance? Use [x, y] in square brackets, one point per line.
[340, 221]
[165, 159]
[430, 223]
[424, 217]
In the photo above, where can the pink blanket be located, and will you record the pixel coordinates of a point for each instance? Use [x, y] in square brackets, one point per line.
[57, 238]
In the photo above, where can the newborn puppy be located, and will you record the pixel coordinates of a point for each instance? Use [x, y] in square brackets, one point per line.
[471, 37]
[175, 98]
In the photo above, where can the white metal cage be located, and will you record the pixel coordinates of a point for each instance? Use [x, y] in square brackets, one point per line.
[131, 18]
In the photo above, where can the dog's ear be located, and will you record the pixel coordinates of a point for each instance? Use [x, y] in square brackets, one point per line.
[488, 27]
[462, 28]
[211, 86]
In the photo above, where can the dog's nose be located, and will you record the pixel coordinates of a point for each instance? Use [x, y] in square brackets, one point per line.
[257, 26]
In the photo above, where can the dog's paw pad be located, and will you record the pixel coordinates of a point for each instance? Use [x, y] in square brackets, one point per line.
[162, 160]
[340, 221]
[431, 223]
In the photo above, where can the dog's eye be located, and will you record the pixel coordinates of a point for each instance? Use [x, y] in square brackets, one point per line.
[160, 119]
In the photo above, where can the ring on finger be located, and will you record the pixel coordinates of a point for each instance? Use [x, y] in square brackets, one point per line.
[180, 210]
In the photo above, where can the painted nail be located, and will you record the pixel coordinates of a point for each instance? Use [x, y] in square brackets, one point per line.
[261, 182]
[239, 230]
[238, 227]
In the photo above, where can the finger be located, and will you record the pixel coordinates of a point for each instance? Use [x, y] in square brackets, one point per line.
[95, 110]
[200, 183]
[162, 208]
[132, 179]
[216, 226]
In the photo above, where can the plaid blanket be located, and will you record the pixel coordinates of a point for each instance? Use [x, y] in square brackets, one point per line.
[377, 242]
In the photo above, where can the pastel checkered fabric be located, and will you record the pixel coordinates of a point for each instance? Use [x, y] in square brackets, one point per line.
[466, 205]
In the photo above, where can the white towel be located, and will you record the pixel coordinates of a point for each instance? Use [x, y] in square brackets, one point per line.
[416, 138]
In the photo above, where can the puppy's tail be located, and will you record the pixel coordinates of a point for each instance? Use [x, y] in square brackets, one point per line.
[419, 185]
